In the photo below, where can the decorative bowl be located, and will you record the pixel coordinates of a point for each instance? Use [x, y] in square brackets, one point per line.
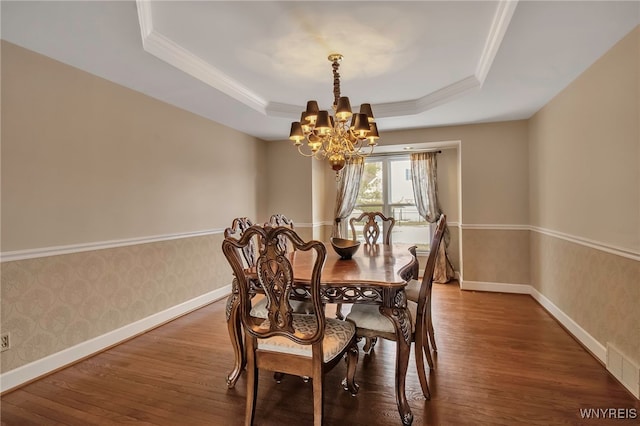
[345, 248]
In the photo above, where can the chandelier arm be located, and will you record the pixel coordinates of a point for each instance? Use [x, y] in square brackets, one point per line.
[304, 154]
[318, 155]
[331, 137]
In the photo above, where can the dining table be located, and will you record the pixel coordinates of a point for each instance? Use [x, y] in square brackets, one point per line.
[376, 274]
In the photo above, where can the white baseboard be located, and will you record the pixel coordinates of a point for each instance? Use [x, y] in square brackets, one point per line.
[41, 367]
[595, 347]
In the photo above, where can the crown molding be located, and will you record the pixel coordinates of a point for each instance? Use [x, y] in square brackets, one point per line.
[282, 110]
[499, 26]
[144, 18]
[167, 50]
[447, 93]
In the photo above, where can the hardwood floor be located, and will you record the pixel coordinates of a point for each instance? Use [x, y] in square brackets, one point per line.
[502, 360]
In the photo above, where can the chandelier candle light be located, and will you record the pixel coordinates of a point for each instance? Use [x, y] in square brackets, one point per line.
[334, 137]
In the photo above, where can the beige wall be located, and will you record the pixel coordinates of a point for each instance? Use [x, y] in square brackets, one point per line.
[585, 183]
[494, 168]
[86, 161]
[493, 194]
[290, 182]
[585, 151]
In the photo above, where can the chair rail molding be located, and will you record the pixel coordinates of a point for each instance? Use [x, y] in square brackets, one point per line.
[34, 253]
[598, 245]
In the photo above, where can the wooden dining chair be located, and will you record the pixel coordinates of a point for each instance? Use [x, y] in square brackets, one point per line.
[234, 325]
[370, 323]
[299, 305]
[371, 231]
[279, 219]
[412, 291]
[370, 223]
[237, 228]
[303, 345]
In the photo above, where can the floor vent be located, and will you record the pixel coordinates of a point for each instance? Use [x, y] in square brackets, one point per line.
[626, 371]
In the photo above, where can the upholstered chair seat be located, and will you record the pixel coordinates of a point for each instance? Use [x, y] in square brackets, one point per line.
[369, 317]
[337, 335]
[412, 290]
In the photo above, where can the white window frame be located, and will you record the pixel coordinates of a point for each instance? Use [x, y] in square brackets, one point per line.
[386, 190]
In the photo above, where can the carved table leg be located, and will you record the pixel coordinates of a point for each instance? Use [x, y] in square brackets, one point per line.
[235, 334]
[402, 324]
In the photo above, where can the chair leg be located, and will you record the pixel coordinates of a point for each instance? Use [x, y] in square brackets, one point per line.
[252, 385]
[432, 334]
[424, 347]
[349, 383]
[427, 353]
[339, 311]
[417, 348]
[235, 334]
[318, 395]
[369, 344]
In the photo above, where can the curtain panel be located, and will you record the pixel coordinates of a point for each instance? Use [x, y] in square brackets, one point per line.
[347, 193]
[424, 172]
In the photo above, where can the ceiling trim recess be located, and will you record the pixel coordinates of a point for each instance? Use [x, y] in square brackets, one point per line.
[168, 51]
[165, 49]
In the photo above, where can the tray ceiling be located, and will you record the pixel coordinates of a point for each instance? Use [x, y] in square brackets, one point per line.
[253, 65]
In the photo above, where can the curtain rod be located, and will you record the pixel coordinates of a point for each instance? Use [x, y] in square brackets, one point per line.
[408, 151]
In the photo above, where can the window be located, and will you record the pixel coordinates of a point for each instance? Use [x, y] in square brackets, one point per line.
[386, 186]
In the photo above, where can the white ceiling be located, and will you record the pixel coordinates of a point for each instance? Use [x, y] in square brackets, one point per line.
[253, 65]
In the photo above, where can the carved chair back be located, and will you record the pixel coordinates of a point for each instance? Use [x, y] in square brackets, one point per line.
[281, 220]
[372, 221]
[237, 228]
[274, 274]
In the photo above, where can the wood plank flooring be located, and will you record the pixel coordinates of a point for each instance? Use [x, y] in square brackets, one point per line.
[502, 360]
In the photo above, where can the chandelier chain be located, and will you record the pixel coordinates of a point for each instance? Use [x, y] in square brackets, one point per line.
[336, 82]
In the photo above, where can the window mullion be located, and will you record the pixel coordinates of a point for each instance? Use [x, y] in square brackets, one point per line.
[386, 188]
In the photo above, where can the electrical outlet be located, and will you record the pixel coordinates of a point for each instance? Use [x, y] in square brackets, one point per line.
[4, 342]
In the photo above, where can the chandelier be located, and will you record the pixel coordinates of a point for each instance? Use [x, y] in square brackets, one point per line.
[336, 137]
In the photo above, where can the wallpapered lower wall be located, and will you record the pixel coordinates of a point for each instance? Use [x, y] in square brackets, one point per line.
[598, 290]
[496, 255]
[53, 303]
